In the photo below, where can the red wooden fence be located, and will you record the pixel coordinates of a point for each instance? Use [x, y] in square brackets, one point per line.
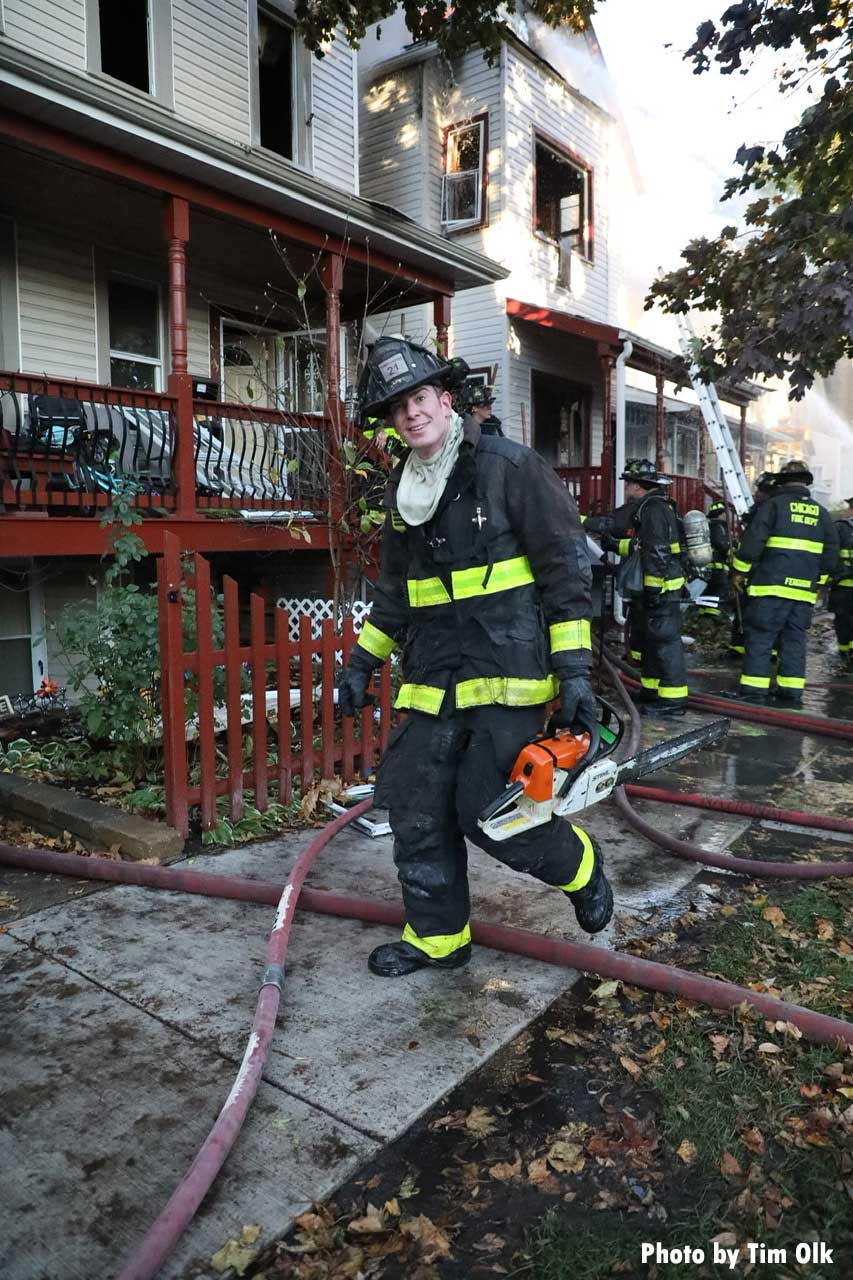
[347, 747]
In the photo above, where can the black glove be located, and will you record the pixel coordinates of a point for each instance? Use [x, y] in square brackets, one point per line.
[352, 686]
[608, 543]
[577, 702]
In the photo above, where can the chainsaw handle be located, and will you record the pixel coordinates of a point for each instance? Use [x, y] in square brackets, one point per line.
[579, 725]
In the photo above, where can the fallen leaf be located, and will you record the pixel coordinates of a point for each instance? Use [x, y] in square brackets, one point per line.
[774, 916]
[392, 1207]
[729, 1166]
[719, 1044]
[237, 1254]
[824, 929]
[846, 1092]
[503, 1172]
[537, 1171]
[480, 1122]
[810, 1090]
[687, 1151]
[432, 1242]
[769, 1047]
[631, 1067]
[754, 1139]
[566, 1157]
[606, 989]
[372, 1222]
[726, 1240]
[490, 1243]
[651, 1055]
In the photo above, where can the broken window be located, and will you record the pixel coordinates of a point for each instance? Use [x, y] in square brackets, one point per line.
[135, 359]
[562, 207]
[125, 42]
[463, 183]
[275, 84]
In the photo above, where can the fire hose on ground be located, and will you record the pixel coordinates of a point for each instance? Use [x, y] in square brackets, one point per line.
[172, 1222]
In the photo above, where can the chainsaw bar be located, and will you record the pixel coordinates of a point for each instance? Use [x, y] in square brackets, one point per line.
[658, 757]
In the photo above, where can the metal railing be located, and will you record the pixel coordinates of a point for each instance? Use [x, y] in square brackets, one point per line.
[74, 445]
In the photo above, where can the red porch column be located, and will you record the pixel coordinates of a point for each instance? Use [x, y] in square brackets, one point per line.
[441, 310]
[332, 274]
[742, 445]
[608, 439]
[660, 424]
[176, 232]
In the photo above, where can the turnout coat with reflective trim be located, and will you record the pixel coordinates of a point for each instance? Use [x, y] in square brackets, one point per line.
[844, 568]
[651, 524]
[491, 597]
[789, 548]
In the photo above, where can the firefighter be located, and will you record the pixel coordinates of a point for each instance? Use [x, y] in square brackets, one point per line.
[718, 579]
[841, 595]
[647, 522]
[485, 584]
[478, 401]
[761, 493]
[789, 549]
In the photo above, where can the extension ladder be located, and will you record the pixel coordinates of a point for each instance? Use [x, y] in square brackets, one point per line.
[731, 467]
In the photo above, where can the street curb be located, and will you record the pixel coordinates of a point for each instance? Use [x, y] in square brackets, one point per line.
[56, 809]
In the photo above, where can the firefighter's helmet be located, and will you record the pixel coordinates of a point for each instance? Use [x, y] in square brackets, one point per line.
[716, 509]
[794, 470]
[396, 367]
[765, 482]
[643, 471]
[475, 394]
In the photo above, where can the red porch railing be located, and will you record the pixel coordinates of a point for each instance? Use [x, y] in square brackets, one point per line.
[587, 487]
[307, 738]
[66, 447]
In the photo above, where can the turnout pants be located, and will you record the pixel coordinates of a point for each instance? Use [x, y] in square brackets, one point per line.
[770, 622]
[841, 604]
[655, 628]
[436, 777]
[718, 585]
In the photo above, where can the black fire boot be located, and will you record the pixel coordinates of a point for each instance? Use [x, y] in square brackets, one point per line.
[788, 697]
[660, 711]
[396, 959]
[758, 697]
[593, 903]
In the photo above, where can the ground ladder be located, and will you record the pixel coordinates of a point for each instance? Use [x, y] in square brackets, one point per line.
[731, 467]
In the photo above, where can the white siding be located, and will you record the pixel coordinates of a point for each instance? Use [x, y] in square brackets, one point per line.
[57, 304]
[211, 66]
[334, 125]
[52, 29]
[468, 87]
[75, 584]
[392, 142]
[198, 337]
[537, 101]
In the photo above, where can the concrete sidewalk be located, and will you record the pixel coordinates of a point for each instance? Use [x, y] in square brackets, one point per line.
[125, 1012]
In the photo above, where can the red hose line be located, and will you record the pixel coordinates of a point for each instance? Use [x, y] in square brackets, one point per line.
[574, 955]
[694, 852]
[163, 1234]
[695, 801]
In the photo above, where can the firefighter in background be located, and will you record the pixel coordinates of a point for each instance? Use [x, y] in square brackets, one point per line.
[761, 493]
[485, 583]
[718, 579]
[789, 549]
[647, 523]
[841, 595]
[477, 401]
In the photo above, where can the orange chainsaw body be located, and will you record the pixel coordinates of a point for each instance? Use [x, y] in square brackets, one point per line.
[536, 763]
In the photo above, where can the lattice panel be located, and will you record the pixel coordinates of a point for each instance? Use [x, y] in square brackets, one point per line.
[317, 611]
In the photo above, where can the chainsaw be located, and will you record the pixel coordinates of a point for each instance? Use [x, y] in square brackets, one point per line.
[563, 772]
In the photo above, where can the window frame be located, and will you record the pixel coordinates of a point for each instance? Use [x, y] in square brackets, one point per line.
[564, 153]
[160, 73]
[302, 105]
[115, 353]
[457, 226]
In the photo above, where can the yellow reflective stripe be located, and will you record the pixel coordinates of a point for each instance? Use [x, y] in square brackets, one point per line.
[583, 875]
[426, 591]
[756, 682]
[420, 697]
[786, 593]
[397, 522]
[846, 553]
[824, 577]
[672, 690]
[624, 546]
[649, 682]
[845, 648]
[665, 584]
[791, 682]
[675, 548]
[637, 655]
[583, 519]
[505, 691]
[505, 574]
[741, 566]
[795, 544]
[737, 648]
[438, 945]
[376, 642]
[845, 582]
[570, 635]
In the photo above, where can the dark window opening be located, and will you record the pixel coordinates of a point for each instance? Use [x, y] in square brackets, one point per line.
[124, 41]
[134, 315]
[562, 210]
[275, 85]
[561, 420]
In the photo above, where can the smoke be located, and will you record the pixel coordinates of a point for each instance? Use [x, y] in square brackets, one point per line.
[578, 59]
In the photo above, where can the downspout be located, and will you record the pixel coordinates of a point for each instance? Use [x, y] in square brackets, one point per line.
[619, 452]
